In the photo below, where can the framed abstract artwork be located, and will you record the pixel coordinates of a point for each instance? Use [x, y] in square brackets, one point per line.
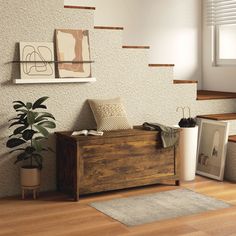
[36, 60]
[73, 46]
[212, 147]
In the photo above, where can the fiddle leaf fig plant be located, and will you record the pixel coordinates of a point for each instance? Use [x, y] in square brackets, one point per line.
[31, 126]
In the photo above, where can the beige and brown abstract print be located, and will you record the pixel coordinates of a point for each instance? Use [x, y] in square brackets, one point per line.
[73, 45]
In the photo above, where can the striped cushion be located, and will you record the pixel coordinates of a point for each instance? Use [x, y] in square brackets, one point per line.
[109, 114]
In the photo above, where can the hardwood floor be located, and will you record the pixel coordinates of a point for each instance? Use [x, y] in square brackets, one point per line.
[53, 214]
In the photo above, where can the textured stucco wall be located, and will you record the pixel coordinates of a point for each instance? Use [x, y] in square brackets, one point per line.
[148, 93]
[171, 27]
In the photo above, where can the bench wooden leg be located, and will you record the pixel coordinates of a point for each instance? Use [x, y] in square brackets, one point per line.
[177, 182]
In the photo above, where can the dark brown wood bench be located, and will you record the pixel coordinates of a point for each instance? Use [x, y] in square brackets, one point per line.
[117, 160]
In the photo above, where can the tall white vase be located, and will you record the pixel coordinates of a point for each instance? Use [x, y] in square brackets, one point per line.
[188, 153]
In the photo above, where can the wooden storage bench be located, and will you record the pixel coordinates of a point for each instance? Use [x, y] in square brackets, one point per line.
[116, 160]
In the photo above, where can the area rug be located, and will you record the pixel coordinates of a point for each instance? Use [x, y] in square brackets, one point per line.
[149, 208]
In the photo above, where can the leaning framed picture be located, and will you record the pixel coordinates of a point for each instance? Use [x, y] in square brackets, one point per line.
[212, 148]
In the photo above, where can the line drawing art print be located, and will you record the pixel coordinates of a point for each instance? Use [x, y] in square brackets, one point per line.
[36, 58]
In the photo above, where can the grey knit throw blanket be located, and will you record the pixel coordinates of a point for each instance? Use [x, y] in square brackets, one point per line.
[169, 135]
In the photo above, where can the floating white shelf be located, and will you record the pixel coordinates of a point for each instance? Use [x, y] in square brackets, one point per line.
[54, 81]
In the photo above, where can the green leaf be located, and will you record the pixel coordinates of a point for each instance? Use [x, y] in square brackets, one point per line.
[39, 119]
[47, 124]
[19, 130]
[42, 130]
[38, 103]
[21, 115]
[42, 107]
[37, 146]
[29, 105]
[20, 102]
[21, 157]
[40, 138]
[38, 159]
[44, 116]
[28, 134]
[17, 106]
[18, 149]
[30, 150]
[22, 110]
[30, 117]
[17, 118]
[17, 123]
[14, 142]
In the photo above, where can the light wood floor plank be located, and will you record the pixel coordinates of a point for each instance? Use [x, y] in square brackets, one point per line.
[56, 215]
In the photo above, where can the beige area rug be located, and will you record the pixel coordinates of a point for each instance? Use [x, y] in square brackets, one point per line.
[149, 208]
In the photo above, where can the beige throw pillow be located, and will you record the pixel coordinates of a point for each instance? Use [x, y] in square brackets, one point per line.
[109, 114]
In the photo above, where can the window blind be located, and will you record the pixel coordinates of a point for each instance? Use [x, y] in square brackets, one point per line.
[221, 12]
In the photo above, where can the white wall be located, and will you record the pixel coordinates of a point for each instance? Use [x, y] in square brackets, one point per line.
[221, 78]
[171, 27]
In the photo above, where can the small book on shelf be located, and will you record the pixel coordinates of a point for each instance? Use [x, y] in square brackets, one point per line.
[86, 132]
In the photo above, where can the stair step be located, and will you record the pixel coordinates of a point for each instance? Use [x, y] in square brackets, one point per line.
[161, 65]
[210, 95]
[230, 118]
[232, 139]
[226, 116]
[185, 81]
[136, 47]
[80, 7]
[108, 28]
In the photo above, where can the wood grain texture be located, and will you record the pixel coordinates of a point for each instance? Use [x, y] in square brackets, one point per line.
[54, 215]
[210, 95]
[108, 28]
[161, 65]
[185, 81]
[136, 47]
[117, 160]
[232, 138]
[80, 7]
[224, 116]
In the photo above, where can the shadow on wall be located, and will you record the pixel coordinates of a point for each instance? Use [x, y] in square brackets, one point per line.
[3, 127]
[14, 67]
[85, 118]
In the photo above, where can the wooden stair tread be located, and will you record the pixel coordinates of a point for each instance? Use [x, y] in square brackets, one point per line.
[226, 116]
[161, 65]
[232, 138]
[80, 7]
[210, 95]
[109, 28]
[185, 81]
[136, 47]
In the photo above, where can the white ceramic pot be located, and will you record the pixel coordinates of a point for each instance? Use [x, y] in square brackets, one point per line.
[188, 153]
[30, 177]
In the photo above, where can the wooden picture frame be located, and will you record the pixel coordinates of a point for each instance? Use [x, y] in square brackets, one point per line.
[212, 148]
[73, 45]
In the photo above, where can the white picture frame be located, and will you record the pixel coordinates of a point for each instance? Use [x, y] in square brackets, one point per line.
[212, 148]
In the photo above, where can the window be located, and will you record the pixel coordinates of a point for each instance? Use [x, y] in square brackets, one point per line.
[221, 16]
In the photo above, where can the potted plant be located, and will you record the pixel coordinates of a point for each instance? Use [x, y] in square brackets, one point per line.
[31, 126]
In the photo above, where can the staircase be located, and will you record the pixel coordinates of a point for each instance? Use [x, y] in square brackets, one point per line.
[149, 91]
[184, 92]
